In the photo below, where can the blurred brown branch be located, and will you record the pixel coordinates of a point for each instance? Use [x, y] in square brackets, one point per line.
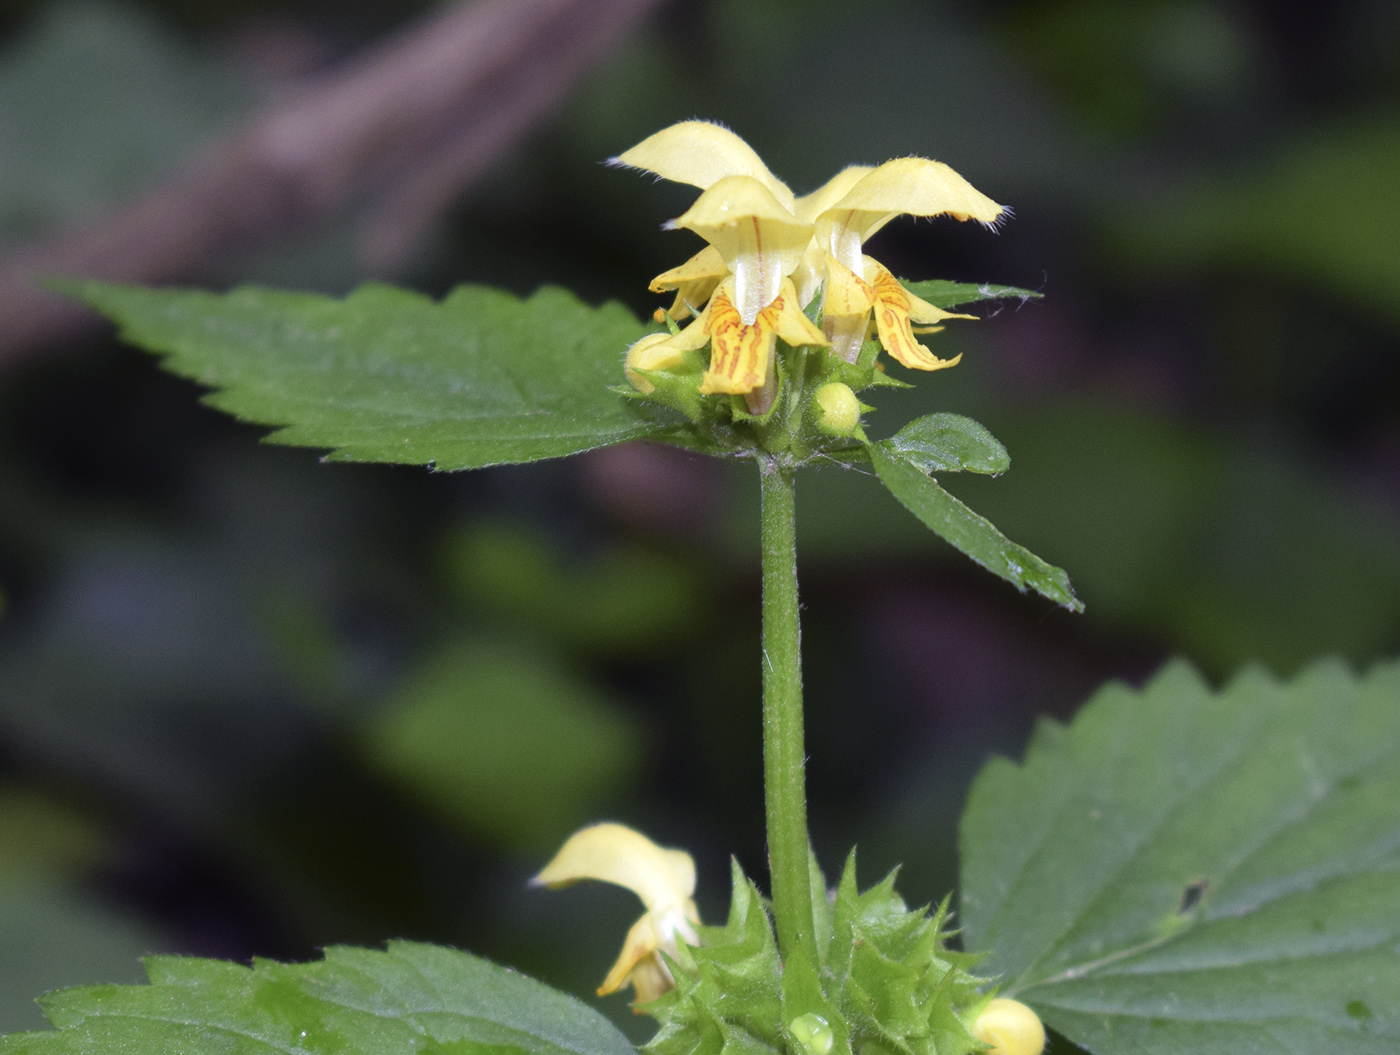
[406, 127]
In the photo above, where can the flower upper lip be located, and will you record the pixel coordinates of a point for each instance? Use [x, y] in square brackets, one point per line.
[663, 879]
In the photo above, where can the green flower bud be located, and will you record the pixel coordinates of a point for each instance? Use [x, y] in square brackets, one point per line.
[837, 409]
[812, 1031]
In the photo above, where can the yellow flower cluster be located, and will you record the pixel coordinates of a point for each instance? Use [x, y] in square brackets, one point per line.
[770, 253]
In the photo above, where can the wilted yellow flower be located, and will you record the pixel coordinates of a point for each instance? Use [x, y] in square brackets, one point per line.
[663, 879]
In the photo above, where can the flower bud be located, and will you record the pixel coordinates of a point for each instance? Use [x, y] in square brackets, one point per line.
[837, 409]
[648, 354]
[1010, 1027]
[814, 1033]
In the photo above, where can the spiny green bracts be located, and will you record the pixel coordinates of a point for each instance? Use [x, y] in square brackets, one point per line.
[884, 984]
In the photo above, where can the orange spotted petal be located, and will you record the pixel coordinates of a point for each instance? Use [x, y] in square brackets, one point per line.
[892, 313]
[739, 352]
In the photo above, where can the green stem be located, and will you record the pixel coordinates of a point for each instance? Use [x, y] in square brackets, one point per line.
[784, 781]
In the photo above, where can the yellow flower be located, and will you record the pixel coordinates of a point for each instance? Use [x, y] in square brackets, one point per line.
[766, 247]
[756, 241]
[663, 879]
[846, 211]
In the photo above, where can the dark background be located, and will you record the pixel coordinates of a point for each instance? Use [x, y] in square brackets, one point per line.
[252, 704]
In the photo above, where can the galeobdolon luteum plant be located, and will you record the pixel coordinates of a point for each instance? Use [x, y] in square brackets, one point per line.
[1180, 870]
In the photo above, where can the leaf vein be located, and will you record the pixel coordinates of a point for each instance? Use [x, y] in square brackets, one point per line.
[1220, 770]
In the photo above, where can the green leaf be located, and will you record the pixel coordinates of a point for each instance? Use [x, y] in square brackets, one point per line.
[1184, 870]
[411, 998]
[949, 443]
[973, 535]
[947, 295]
[479, 378]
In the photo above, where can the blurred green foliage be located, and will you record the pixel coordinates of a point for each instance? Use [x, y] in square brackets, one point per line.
[200, 634]
[51, 931]
[517, 750]
[99, 100]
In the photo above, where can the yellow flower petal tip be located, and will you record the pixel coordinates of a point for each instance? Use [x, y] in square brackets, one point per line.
[1010, 1027]
[664, 880]
[701, 153]
[615, 853]
[919, 187]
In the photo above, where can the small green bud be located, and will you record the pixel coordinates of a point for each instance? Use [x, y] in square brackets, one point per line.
[810, 1030]
[838, 410]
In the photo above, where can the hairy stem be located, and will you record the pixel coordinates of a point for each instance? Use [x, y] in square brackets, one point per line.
[784, 782]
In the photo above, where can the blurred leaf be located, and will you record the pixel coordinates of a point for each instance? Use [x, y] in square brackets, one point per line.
[1235, 552]
[99, 100]
[1120, 66]
[411, 997]
[505, 742]
[942, 293]
[969, 533]
[1325, 212]
[142, 674]
[52, 933]
[949, 443]
[1185, 871]
[39, 836]
[479, 378]
[625, 600]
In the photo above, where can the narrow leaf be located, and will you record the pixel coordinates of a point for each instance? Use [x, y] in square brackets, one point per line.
[942, 293]
[973, 535]
[1184, 871]
[949, 443]
[411, 998]
[479, 378]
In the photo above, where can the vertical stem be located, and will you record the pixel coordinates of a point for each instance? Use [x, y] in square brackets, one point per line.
[783, 753]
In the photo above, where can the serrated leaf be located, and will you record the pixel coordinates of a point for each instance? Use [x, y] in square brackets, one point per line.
[479, 378]
[1183, 870]
[949, 443]
[410, 998]
[942, 293]
[971, 534]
